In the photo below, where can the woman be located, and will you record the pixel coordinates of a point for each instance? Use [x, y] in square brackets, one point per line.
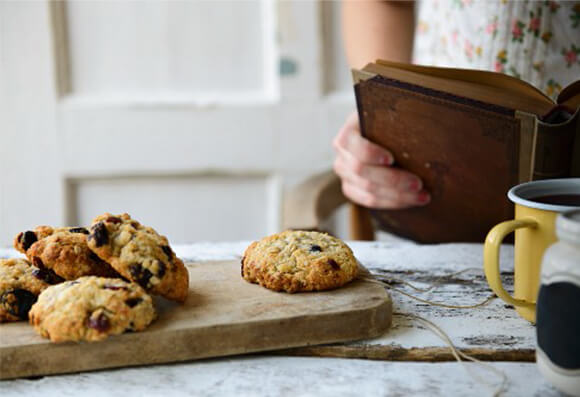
[537, 41]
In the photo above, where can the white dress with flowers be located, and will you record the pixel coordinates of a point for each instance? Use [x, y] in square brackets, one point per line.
[537, 41]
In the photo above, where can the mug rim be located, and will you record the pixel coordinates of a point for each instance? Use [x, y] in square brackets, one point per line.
[521, 194]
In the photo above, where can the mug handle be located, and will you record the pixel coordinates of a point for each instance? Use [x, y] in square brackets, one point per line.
[491, 257]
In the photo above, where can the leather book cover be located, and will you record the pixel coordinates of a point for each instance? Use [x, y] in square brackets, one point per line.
[466, 152]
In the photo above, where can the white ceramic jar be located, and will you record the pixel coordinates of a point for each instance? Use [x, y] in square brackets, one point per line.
[558, 308]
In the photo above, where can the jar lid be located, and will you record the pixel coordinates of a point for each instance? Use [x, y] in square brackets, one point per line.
[568, 226]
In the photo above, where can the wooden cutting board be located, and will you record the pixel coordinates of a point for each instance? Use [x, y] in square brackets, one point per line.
[223, 315]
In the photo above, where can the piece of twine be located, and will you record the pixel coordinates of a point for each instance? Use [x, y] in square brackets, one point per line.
[365, 275]
[387, 283]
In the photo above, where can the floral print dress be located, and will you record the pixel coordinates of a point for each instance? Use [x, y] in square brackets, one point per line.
[536, 41]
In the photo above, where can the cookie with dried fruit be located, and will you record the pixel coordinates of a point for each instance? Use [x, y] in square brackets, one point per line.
[20, 285]
[295, 261]
[140, 254]
[91, 309]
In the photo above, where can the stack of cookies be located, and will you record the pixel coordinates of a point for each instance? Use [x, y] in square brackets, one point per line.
[86, 284]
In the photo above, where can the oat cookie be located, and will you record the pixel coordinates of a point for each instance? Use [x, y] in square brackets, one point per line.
[139, 254]
[295, 261]
[63, 250]
[24, 240]
[90, 309]
[20, 285]
[69, 256]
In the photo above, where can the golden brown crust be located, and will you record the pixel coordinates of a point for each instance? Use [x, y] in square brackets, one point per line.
[295, 261]
[69, 256]
[90, 309]
[24, 240]
[140, 254]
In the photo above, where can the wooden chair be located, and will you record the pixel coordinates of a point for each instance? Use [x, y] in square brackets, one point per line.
[310, 203]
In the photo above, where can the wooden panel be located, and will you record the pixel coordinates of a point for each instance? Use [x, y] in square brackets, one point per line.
[300, 51]
[29, 181]
[223, 315]
[174, 48]
[124, 123]
[186, 208]
[260, 138]
[337, 77]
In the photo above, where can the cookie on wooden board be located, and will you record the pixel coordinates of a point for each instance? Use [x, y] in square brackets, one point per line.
[295, 261]
[63, 250]
[24, 240]
[20, 285]
[91, 309]
[140, 254]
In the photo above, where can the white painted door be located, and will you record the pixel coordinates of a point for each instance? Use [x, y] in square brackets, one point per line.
[193, 116]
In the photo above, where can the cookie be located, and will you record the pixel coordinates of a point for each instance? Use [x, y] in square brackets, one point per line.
[20, 285]
[64, 251]
[69, 256]
[24, 240]
[139, 254]
[91, 309]
[295, 261]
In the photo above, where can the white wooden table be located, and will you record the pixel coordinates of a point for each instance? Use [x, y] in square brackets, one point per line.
[408, 359]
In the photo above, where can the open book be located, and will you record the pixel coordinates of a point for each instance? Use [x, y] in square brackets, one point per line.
[470, 136]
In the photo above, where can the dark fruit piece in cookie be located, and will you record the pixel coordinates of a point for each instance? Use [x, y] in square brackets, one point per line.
[27, 239]
[47, 275]
[99, 234]
[333, 264]
[168, 251]
[18, 302]
[79, 230]
[140, 275]
[100, 322]
[133, 302]
[36, 261]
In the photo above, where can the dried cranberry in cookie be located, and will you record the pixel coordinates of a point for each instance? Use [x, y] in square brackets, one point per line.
[139, 254]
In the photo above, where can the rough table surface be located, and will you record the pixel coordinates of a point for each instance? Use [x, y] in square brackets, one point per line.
[495, 327]
[493, 332]
[285, 376]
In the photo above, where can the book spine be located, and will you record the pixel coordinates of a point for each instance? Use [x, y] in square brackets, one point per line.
[362, 115]
[527, 145]
[575, 166]
[557, 149]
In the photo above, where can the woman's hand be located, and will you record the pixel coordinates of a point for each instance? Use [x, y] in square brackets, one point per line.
[366, 173]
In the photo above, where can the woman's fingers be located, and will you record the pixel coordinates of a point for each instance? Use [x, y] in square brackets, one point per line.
[349, 167]
[350, 140]
[392, 200]
[367, 178]
[377, 186]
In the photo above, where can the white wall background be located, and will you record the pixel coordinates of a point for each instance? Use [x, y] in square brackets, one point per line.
[193, 116]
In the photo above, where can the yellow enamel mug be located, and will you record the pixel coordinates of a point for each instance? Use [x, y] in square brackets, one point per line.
[537, 205]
